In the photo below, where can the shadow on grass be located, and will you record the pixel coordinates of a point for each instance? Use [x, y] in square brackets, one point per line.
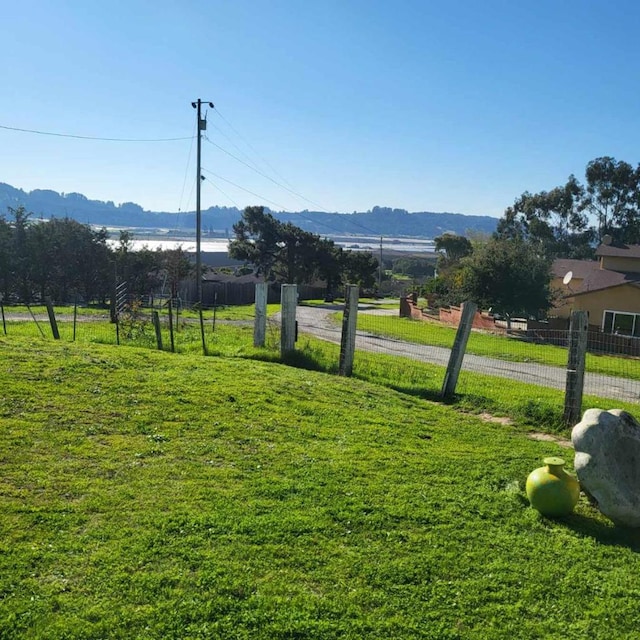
[308, 360]
[605, 533]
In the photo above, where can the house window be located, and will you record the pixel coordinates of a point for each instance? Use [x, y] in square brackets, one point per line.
[621, 323]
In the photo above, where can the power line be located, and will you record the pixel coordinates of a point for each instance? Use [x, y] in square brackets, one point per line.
[324, 209]
[295, 193]
[250, 146]
[174, 139]
[184, 182]
[253, 193]
[70, 135]
[235, 146]
[264, 175]
[226, 195]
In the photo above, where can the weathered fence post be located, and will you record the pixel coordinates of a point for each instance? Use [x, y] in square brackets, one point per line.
[288, 300]
[578, 332]
[156, 325]
[202, 334]
[457, 352]
[349, 323]
[170, 308]
[215, 311]
[4, 323]
[52, 319]
[260, 322]
[75, 317]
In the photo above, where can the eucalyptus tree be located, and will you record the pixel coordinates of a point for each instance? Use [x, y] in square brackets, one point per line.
[612, 196]
[553, 221]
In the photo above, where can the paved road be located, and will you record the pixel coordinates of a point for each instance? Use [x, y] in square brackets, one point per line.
[316, 321]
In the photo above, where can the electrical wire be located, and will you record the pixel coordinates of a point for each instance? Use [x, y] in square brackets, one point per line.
[253, 193]
[186, 170]
[215, 186]
[234, 145]
[264, 175]
[250, 146]
[193, 186]
[192, 137]
[70, 135]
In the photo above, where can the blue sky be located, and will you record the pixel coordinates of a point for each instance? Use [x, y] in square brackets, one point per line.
[436, 106]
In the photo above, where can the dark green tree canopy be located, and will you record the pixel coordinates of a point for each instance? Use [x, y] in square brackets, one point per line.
[508, 276]
[454, 247]
[59, 257]
[282, 252]
[414, 267]
[65, 259]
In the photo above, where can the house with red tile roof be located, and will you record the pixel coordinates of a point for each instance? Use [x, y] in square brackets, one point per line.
[607, 288]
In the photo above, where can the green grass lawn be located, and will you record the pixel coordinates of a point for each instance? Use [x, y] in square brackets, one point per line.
[41, 310]
[538, 408]
[153, 495]
[534, 408]
[230, 312]
[223, 312]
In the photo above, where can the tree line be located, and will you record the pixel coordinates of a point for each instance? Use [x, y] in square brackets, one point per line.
[65, 260]
[285, 253]
[511, 271]
[569, 221]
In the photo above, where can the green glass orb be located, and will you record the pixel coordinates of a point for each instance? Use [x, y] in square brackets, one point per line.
[551, 490]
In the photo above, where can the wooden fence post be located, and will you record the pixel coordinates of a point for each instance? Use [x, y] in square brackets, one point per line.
[202, 334]
[4, 323]
[578, 332]
[156, 325]
[52, 319]
[75, 317]
[260, 321]
[289, 300]
[459, 346]
[170, 308]
[349, 323]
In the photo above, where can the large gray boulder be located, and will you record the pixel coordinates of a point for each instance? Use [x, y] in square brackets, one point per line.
[607, 462]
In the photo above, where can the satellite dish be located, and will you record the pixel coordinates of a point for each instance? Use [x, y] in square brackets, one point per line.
[567, 277]
[607, 239]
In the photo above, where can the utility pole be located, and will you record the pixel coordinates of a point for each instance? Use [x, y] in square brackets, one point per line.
[202, 126]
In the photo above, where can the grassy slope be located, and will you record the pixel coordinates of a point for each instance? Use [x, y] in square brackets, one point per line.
[149, 495]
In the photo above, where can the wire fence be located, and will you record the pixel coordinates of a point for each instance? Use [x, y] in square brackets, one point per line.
[539, 360]
[401, 352]
[174, 330]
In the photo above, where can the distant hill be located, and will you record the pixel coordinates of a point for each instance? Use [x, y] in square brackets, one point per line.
[379, 221]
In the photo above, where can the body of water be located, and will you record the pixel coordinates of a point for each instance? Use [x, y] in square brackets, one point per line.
[221, 245]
